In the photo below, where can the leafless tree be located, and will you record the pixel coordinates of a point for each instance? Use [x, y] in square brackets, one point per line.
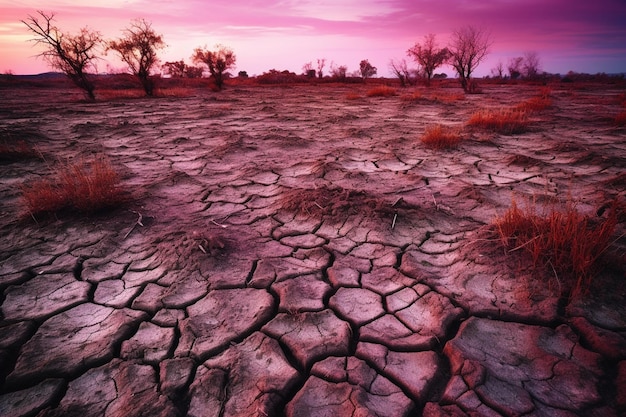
[429, 56]
[307, 69]
[320, 67]
[498, 70]
[339, 72]
[218, 62]
[401, 70]
[74, 55]
[515, 67]
[138, 49]
[468, 47]
[367, 69]
[530, 66]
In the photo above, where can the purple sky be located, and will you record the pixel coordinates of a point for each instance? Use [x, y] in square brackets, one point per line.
[584, 36]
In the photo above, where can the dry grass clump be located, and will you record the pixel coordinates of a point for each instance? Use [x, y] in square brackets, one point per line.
[446, 98]
[534, 104]
[411, 98]
[620, 119]
[83, 186]
[17, 151]
[441, 137]
[353, 96]
[338, 203]
[382, 91]
[501, 121]
[564, 242]
[120, 94]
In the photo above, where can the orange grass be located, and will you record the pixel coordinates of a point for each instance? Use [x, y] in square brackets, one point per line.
[414, 96]
[84, 187]
[382, 91]
[565, 242]
[116, 94]
[353, 96]
[441, 137]
[534, 104]
[620, 119]
[500, 121]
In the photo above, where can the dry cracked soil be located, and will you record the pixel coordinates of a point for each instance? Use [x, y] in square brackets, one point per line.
[297, 251]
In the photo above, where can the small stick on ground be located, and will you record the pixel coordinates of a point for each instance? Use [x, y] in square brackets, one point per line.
[138, 222]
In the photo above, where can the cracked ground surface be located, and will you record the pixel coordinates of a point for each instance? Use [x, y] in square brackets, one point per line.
[303, 254]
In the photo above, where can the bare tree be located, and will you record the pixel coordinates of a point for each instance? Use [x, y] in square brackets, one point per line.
[320, 67]
[367, 69]
[401, 70]
[74, 55]
[498, 70]
[429, 56]
[468, 47]
[530, 67]
[339, 72]
[515, 67]
[138, 49]
[307, 69]
[218, 62]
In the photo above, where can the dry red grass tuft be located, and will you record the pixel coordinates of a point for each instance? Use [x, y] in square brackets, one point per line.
[620, 119]
[413, 97]
[119, 94]
[382, 91]
[534, 104]
[84, 187]
[441, 137]
[502, 121]
[353, 96]
[563, 241]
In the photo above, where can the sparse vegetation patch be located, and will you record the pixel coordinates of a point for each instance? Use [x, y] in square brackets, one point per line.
[501, 121]
[338, 203]
[382, 91]
[561, 241]
[83, 186]
[441, 137]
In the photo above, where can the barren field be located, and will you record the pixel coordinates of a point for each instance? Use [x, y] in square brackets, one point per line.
[299, 251]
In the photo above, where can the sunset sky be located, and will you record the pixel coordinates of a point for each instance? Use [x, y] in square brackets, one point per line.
[579, 35]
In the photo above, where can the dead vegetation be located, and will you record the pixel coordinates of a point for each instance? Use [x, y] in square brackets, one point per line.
[338, 203]
[441, 137]
[382, 91]
[563, 242]
[505, 121]
[84, 186]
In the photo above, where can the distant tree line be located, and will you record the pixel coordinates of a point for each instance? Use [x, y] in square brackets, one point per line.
[76, 54]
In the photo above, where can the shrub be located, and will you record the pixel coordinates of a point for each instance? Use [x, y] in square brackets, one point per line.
[563, 241]
[382, 91]
[84, 187]
[441, 137]
[502, 121]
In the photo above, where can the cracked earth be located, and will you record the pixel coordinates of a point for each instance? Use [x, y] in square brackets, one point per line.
[302, 254]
